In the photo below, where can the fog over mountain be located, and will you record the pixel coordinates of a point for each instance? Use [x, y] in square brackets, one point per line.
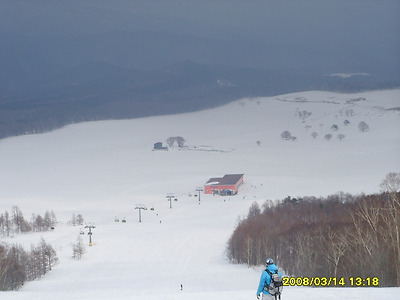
[70, 61]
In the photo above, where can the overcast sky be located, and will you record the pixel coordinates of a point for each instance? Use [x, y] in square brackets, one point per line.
[323, 35]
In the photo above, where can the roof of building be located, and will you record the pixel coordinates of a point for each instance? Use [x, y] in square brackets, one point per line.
[228, 179]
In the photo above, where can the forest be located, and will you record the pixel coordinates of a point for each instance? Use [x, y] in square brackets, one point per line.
[15, 223]
[16, 264]
[342, 235]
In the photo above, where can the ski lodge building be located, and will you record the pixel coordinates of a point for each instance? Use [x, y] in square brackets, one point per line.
[159, 146]
[227, 185]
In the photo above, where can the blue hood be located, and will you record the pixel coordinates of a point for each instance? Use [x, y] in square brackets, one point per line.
[272, 268]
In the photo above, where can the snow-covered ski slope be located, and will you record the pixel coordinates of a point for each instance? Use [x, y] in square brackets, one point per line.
[102, 170]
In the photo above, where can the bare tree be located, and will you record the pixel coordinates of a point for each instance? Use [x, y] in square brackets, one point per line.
[181, 141]
[73, 220]
[363, 127]
[43, 257]
[170, 141]
[286, 135]
[335, 245]
[78, 249]
[391, 186]
[5, 223]
[249, 250]
[368, 238]
[50, 219]
[19, 222]
[39, 224]
[12, 274]
[178, 139]
[254, 210]
[304, 254]
[79, 219]
[341, 136]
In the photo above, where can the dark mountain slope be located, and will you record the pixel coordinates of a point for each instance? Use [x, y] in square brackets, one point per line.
[97, 90]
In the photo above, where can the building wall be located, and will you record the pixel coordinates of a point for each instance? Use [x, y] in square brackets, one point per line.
[238, 183]
[209, 188]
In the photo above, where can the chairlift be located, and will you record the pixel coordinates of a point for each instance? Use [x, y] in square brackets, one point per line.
[81, 232]
[123, 221]
[116, 219]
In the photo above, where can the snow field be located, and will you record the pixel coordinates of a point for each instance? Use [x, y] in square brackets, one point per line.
[104, 169]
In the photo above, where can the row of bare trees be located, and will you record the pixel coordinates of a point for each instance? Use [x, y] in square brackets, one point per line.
[338, 236]
[16, 223]
[180, 141]
[76, 220]
[18, 266]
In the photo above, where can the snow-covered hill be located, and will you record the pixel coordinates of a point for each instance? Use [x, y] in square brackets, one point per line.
[102, 170]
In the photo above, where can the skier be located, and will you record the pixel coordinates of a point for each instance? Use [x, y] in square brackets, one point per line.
[265, 280]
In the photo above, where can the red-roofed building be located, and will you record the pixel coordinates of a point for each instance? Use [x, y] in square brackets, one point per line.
[227, 185]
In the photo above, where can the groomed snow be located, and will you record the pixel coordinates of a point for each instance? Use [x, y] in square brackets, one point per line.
[103, 169]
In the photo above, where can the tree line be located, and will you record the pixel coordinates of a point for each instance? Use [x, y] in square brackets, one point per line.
[18, 266]
[15, 223]
[341, 235]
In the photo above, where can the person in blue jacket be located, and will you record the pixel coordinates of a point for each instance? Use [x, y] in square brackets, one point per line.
[265, 280]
